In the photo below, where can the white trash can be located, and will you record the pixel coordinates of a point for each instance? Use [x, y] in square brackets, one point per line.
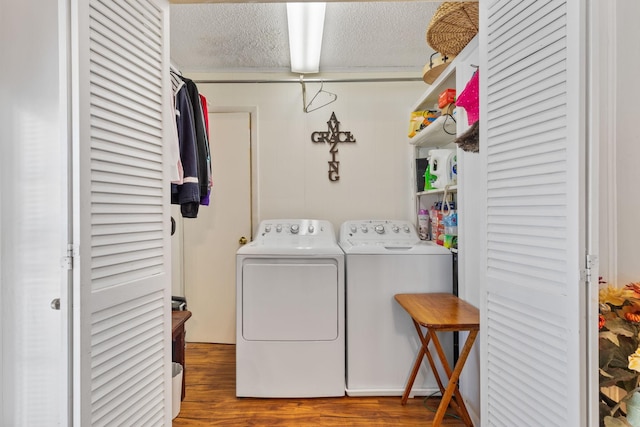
[176, 388]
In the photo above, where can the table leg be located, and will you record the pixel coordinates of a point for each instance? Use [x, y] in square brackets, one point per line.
[452, 387]
[432, 364]
[423, 351]
[179, 356]
[424, 339]
[416, 368]
[461, 409]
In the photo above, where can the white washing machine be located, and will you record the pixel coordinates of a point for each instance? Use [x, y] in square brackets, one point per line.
[290, 312]
[384, 258]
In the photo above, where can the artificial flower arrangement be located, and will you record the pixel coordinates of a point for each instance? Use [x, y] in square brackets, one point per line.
[619, 351]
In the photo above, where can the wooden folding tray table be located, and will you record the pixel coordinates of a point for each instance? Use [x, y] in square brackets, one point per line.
[439, 312]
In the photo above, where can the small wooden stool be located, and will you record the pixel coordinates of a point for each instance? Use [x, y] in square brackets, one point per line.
[441, 313]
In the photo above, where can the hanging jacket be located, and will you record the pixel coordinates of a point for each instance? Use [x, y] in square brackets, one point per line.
[202, 142]
[187, 195]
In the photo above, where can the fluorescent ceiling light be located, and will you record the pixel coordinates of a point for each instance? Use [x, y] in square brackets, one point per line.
[306, 24]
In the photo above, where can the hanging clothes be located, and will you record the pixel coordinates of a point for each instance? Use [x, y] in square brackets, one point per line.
[176, 174]
[187, 194]
[205, 112]
[202, 142]
[469, 98]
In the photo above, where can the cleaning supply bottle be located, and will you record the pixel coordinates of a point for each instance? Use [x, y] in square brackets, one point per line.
[423, 224]
[451, 224]
[433, 217]
[428, 178]
[450, 229]
[437, 226]
[441, 167]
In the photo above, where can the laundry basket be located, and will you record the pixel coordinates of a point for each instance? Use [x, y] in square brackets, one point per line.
[176, 388]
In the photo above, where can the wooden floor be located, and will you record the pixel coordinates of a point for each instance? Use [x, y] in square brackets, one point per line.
[210, 401]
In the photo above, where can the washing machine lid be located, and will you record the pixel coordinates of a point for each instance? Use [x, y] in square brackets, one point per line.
[293, 237]
[385, 237]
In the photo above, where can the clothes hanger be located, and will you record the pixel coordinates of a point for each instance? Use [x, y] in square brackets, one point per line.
[332, 95]
[305, 106]
[176, 74]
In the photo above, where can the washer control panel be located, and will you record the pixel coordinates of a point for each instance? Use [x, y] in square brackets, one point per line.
[378, 232]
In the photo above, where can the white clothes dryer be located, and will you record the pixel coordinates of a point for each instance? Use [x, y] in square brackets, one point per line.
[384, 258]
[290, 312]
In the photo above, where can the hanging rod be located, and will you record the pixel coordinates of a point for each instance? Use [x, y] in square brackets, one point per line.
[319, 80]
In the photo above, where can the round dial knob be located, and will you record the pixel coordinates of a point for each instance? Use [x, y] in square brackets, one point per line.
[311, 229]
[267, 228]
[406, 228]
[379, 229]
[364, 228]
[354, 229]
[295, 228]
[278, 228]
[395, 228]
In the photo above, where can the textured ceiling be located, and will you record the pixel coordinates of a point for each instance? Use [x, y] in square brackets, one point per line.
[252, 37]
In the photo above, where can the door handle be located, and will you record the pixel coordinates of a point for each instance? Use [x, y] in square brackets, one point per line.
[55, 304]
[243, 240]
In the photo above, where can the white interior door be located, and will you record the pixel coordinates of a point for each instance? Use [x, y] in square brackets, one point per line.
[122, 326]
[210, 241]
[533, 145]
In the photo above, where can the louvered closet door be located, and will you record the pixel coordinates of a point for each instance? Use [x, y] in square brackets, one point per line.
[533, 88]
[121, 222]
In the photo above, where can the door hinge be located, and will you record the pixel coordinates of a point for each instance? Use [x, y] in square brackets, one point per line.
[67, 261]
[591, 262]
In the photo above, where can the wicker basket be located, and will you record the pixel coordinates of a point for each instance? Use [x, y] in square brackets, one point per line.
[453, 26]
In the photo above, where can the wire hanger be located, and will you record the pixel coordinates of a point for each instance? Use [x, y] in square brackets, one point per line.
[305, 106]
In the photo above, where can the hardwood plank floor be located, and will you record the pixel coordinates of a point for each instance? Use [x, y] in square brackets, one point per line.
[210, 401]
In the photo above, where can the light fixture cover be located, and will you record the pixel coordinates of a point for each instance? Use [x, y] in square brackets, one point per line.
[306, 24]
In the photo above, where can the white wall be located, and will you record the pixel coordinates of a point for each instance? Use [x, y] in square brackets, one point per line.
[293, 171]
[619, 174]
[627, 143]
[32, 212]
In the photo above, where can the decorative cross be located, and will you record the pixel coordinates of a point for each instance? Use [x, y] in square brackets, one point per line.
[333, 136]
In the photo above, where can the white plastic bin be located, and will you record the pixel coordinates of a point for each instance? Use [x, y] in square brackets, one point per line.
[176, 388]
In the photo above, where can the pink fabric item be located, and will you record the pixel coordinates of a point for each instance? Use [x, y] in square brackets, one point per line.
[205, 112]
[469, 98]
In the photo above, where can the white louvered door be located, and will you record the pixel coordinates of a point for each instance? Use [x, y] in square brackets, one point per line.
[121, 219]
[533, 335]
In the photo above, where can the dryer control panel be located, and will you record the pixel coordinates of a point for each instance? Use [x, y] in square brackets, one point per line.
[306, 232]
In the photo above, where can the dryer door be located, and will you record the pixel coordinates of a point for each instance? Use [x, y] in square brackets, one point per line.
[290, 300]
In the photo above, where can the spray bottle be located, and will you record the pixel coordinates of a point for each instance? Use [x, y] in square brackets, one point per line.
[428, 178]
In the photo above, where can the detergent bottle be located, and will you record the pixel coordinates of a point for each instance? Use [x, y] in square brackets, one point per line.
[428, 179]
[441, 166]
